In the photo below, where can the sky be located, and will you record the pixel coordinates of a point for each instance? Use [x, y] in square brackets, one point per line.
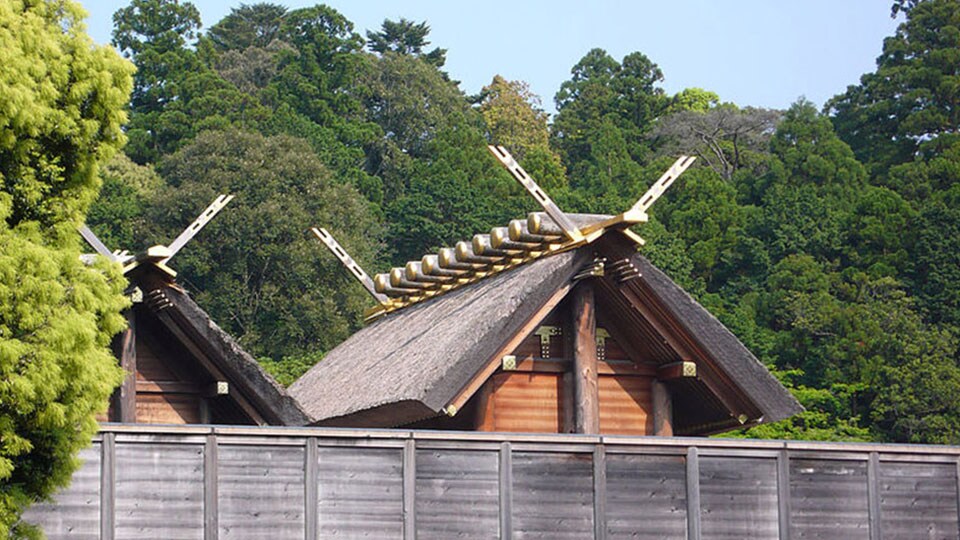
[761, 53]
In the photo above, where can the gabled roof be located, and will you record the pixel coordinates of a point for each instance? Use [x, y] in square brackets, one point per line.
[416, 360]
[422, 356]
[215, 348]
[717, 341]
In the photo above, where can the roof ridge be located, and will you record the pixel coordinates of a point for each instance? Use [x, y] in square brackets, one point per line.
[542, 234]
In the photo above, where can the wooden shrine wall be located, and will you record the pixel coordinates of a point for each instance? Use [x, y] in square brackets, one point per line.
[295, 483]
[171, 385]
[534, 395]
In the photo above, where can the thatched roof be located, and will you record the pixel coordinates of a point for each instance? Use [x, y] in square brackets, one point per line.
[729, 353]
[173, 306]
[411, 363]
[420, 357]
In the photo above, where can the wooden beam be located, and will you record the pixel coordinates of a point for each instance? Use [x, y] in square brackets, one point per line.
[567, 423]
[208, 365]
[529, 364]
[167, 387]
[125, 398]
[511, 344]
[677, 370]
[586, 399]
[682, 350]
[484, 419]
[662, 410]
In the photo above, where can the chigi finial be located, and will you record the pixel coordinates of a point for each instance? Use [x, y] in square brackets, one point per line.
[541, 234]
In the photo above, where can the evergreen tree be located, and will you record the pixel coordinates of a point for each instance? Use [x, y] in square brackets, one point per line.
[910, 103]
[406, 37]
[258, 272]
[61, 109]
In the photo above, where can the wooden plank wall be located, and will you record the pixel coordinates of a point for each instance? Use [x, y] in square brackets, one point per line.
[209, 483]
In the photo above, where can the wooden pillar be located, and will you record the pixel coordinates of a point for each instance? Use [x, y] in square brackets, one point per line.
[125, 398]
[662, 410]
[586, 399]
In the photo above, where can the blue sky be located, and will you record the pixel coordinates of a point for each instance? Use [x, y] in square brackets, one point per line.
[751, 52]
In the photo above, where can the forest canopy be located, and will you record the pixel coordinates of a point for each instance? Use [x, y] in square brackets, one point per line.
[827, 239]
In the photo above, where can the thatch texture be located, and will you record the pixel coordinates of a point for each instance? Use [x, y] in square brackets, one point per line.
[724, 349]
[242, 371]
[422, 356]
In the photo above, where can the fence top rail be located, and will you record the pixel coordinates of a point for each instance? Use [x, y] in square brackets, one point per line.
[566, 441]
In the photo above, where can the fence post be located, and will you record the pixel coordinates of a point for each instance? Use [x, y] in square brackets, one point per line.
[873, 496]
[506, 491]
[693, 494]
[409, 489]
[783, 493]
[599, 492]
[211, 509]
[311, 494]
[107, 485]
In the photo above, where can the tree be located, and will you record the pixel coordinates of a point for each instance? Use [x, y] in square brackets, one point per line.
[405, 37]
[411, 102]
[693, 99]
[724, 137]
[61, 109]
[602, 93]
[514, 119]
[258, 272]
[811, 191]
[156, 35]
[513, 116]
[936, 258]
[256, 25]
[457, 191]
[314, 94]
[118, 216]
[910, 103]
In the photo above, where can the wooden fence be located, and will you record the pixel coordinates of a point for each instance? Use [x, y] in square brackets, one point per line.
[204, 482]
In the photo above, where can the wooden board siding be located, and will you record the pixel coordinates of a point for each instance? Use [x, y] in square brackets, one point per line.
[524, 402]
[159, 491]
[738, 498]
[655, 484]
[531, 398]
[160, 362]
[360, 493]
[551, 488]
[260, 492]
[457, 495]
[625, 405]
[74, 513]
[918, 500]
[168, 409]
[829, 499]
[204, 481]
[531, 401]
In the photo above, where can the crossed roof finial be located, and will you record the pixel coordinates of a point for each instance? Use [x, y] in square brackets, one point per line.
[541, 234]
[159, 254]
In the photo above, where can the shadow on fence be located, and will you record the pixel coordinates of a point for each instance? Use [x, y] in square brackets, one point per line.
[169, 482]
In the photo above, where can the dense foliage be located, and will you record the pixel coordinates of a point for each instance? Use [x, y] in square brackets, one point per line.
[61, 111]
[826, 240]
